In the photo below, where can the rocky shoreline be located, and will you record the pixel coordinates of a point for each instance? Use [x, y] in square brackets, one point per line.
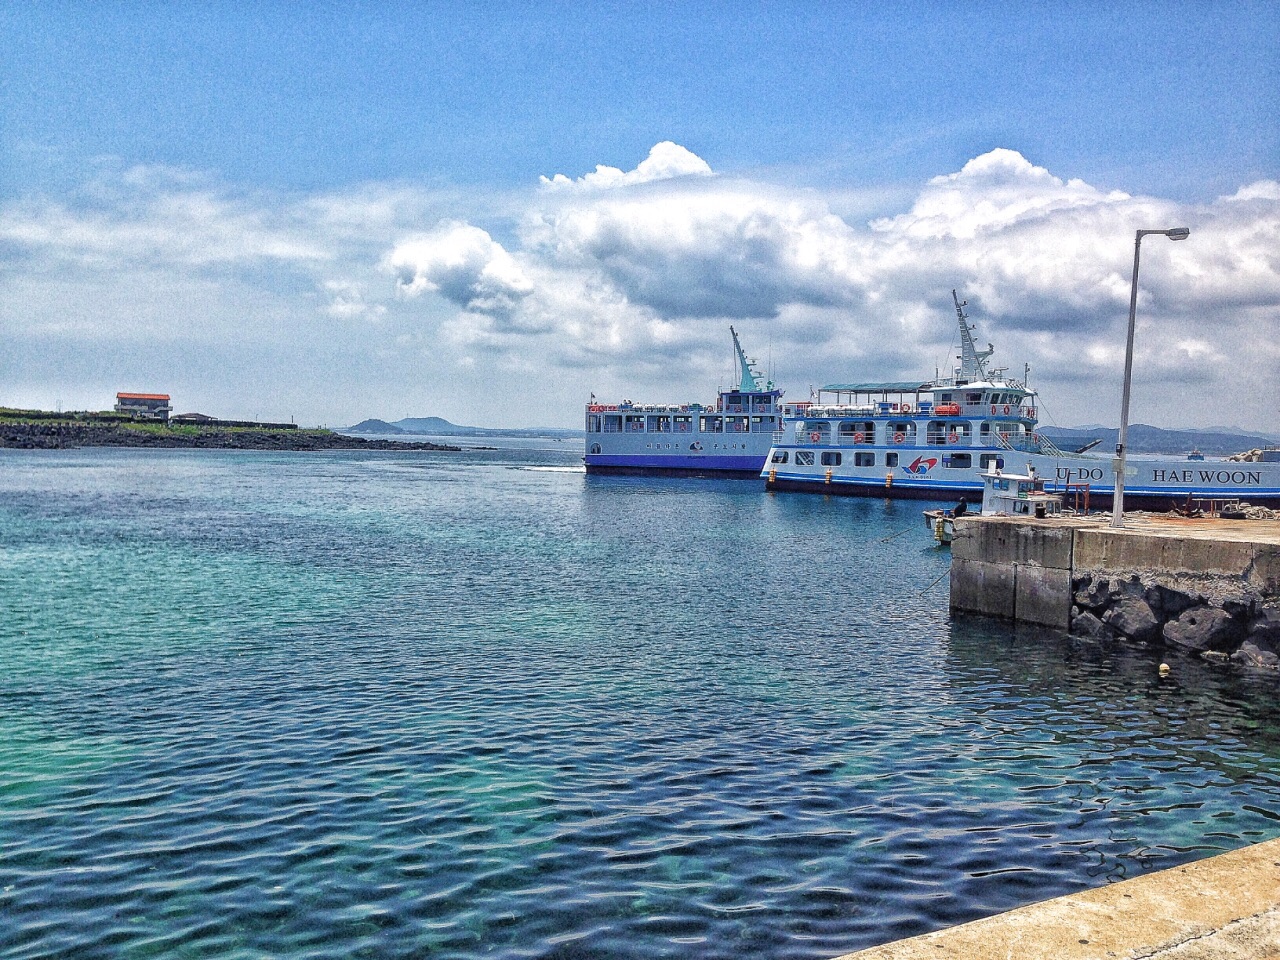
[1213, 618]
[59, 436]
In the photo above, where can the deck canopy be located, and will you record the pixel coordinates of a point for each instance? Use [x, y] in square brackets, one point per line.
[900, 386]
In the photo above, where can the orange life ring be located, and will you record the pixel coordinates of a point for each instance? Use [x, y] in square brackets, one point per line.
[953, 438]
[906, 408]
[815, 436]
[1006, 409]
[993, 409]
[858, 437]
[898, 438]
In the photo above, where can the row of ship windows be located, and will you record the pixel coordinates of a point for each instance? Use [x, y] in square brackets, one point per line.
[636, 423]
[834, 458]
[937, 432]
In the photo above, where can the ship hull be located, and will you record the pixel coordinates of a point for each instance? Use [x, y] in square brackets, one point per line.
[1152, 484]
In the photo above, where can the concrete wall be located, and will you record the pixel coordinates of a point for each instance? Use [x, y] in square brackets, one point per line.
[1014, 569]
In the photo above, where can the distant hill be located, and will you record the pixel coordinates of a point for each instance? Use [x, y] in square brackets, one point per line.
[438, 426]
[1148, 439]
[372, 426]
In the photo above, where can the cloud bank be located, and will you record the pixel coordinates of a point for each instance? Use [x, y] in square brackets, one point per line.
[624, 282]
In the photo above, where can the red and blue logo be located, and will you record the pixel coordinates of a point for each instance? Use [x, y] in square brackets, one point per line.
[921, 465]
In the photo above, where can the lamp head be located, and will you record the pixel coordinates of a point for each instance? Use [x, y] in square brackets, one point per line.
[1178, 233]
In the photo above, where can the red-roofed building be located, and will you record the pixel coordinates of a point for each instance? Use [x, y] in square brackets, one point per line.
[152, 405]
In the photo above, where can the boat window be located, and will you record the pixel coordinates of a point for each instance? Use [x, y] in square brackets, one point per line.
[762, 424]
[804, 458]
[593, 423]
[712, 425]
[683, 424]
[989, 460]
[595, 448]
[890, 459]
[936, 432]
[613, 423]
[973, 398]
[864, 459]
[635, 424]
[660, 424]
[736, 424]
[943, 398]
[779, 456]
[831, 458]
[814, 431]
[902, 431]
[733, 403]
[958, 461]
[857, 431]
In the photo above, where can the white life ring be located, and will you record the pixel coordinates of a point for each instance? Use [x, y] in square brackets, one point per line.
[953, 437]
[815, 436]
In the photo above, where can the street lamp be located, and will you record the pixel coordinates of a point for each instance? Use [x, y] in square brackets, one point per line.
[1117, 506]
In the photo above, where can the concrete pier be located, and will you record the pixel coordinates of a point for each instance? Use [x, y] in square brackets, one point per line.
[1210, 585]
[1223, 908]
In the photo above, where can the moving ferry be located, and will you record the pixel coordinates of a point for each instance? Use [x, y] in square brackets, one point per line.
[934, 440]
[730, 438]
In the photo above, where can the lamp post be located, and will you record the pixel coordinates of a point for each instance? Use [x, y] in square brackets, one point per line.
[1117, 506]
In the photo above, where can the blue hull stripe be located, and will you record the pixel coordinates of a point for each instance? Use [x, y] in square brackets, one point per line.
[676, 462]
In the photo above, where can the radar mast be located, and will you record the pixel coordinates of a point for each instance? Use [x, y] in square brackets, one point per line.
[971, 358]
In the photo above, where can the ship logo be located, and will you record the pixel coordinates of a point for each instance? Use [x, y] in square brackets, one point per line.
[695, 446]
[921, 465]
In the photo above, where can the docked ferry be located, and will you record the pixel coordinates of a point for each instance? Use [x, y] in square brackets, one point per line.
[934, 440]
[729, 438]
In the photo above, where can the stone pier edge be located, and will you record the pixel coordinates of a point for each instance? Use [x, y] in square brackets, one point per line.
[1225, 907]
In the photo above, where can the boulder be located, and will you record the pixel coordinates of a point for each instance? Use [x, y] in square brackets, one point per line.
[1265, 632]
[1091, 594]
[1132, 617]
[1087, 625]
[1204, 628]
[1169, 603]
[1250, 656]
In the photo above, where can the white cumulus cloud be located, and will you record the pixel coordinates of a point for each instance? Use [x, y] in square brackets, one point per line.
[463, 264]
[666, 161]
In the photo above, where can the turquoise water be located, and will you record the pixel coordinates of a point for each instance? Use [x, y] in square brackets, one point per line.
[451, 705]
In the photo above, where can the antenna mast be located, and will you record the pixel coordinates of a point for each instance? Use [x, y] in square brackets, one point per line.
[971, 357]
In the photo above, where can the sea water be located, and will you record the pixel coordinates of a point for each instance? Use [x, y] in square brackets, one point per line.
[459, 704]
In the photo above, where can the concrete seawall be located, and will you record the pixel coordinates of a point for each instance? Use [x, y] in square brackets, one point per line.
[1209, 586]
[1224, 908]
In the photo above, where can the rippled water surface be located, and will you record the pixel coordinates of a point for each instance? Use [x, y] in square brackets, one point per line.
[445, 705]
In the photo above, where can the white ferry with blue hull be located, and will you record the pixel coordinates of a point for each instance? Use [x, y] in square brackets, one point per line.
[730, 438]
[933, 440]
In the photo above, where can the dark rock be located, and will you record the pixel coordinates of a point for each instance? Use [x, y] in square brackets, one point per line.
[1132, 617]
[1249, 655]
[1092, 594]
[1087, 625]
[1265, 632]
[1204, 628]
[1169, 603]
[1243, 608]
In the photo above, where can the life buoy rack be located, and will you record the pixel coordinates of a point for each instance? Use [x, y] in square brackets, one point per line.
[815, 436]
[898, 438]
[859, 437]
[953, 437]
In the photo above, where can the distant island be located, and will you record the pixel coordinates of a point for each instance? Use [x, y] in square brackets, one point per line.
[46, 430]
[438, 426]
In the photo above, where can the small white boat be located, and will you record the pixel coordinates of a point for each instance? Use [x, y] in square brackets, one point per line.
[1017, 495]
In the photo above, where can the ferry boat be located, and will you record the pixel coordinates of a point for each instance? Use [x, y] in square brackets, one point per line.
[934, 440]
[730, 438]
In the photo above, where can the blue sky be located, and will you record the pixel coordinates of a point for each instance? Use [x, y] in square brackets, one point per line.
[342, 205]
